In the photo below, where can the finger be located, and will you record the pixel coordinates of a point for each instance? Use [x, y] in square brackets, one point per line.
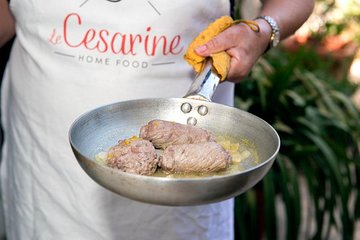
[221, 42]
[240, 64]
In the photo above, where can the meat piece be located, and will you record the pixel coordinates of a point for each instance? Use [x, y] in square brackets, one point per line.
[164, 133]
[133, 155]
[194, 158]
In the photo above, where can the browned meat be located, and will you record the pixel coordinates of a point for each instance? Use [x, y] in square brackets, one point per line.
[164, 133]
[133, 155]
[195, 158]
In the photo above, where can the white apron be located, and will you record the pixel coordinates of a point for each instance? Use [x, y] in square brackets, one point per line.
[73, 56]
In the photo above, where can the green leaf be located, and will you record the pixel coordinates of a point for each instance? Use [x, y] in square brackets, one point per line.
[269, 202]
[291, 196]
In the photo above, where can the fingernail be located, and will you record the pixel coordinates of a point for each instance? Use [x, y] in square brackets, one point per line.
[201, 48]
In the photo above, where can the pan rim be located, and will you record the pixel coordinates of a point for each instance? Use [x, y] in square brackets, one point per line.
[169, 179]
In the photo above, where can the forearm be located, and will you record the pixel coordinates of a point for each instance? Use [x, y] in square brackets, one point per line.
[289, 14]
[7, 23]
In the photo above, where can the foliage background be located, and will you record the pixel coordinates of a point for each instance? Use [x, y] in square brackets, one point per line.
[303, 90]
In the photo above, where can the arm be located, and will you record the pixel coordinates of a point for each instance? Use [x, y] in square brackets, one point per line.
[7, 23]
[245, 46]
[289, 15]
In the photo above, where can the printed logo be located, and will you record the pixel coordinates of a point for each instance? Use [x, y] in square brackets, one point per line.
[107, 46]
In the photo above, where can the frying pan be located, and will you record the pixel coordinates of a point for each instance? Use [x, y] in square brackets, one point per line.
[101, 128]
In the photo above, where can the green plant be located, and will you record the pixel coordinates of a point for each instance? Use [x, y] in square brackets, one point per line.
[336, 17]
[319, 129]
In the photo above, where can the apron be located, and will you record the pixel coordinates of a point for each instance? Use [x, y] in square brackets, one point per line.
[68, 58]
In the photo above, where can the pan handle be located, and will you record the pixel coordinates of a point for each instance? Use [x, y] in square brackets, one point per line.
[204, 85]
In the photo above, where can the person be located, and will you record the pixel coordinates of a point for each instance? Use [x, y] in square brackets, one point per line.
[71, 57]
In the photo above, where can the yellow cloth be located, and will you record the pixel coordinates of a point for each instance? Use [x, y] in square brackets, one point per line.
[220, 60]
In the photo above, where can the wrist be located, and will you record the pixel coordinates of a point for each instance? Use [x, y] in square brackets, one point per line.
[264, 34]
[274, 38]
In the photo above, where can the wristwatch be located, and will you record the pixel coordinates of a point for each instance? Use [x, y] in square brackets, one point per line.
[275, 31]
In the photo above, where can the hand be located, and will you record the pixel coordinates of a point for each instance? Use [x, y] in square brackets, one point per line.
[242, 44]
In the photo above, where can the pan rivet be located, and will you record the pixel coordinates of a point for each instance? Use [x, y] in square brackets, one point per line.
[202, 110]
[191, 121]
[186, 107]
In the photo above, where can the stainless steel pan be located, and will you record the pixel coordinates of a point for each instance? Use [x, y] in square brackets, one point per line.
[101, 128]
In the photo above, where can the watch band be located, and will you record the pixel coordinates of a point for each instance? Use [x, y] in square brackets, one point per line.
[275, 31]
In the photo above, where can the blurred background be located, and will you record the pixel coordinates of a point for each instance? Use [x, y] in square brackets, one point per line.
[309, 90]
